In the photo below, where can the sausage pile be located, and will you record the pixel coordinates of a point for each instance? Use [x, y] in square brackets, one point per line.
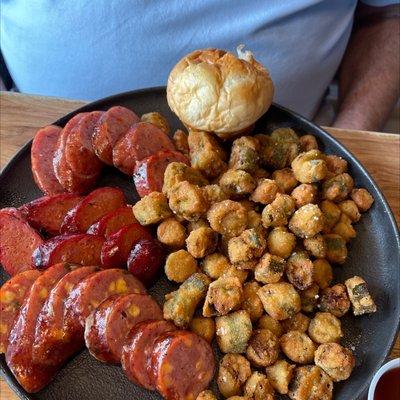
[253, 227]
[54, 314]
[71, 159]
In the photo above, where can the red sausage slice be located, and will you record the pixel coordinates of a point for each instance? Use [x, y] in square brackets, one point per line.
[79, 249]
[108, 326]
[12, 295]
[112, 125]
[116, 248]
[136, 354]
[53, 343]
[47, 213]
[149, 172]
[32, 377]
[93, 207]
[142, 140]
[113, 222]
[17, 242]
[43, 148]
[86, 296]
[79, 153]
[183, 365]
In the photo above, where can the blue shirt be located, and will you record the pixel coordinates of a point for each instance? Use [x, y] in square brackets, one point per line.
[88, 49]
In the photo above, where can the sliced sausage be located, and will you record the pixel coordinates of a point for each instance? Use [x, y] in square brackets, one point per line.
[149, 173]
[47, 213]
[79, 152]
[93, 207]
[116, 248]
[82, 249]
[43, 148]
[12, 295]
[53, 343]
[113, 222]
[17, 242]
[87, 295]
[108, 326]
[142, 140]
[32, 377]
[112, 125]
[183, 365]
[136, 354]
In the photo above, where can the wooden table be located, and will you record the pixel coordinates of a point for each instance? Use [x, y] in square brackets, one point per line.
[21, 115]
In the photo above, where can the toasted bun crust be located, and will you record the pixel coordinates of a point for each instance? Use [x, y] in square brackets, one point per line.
[215, 91]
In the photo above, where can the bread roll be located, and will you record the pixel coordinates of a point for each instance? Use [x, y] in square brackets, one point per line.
[215, 91]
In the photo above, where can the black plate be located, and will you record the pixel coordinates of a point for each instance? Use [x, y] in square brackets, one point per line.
[373, 255]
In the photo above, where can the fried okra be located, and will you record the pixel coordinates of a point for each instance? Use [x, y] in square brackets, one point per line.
[280, 300]
[337, 188]
[204, 327]
[227, 218]
[158, 120]
[254, 219]
[316, 246]
[345, 230]
[362, 198]
[171, 233]
[214, 194]
[308, 142]
[237, 183]
[151, 209]
[258, 387]
[263, 348]
[335, 300]
[307, 221]
[298, 347]
[310, 383]
[234, 370]
[269, 269]
[240, 274]
[201, 242]
[300, 270]
[186, 200]
[278, 212]
[180, 140]
[245, 154]
[215, 265]
[200, 223]
[233, 331]
[309, 167]
[279, 375]
[265, 192]
[336, 165]
[206, 154]
[248, 246]
[331, 214]
[251, 302]
[309, 298]
[179, 266]
[223, 295]
[305, 193]
[323, 274]
[336, 250]
[180, 305]
[280, 242]
[337, 361]
[298, 322]
[325, 328]
[179, 172]
[360, 298]
[349, 208]
[267, 322]
[285, 179]
[206, 395]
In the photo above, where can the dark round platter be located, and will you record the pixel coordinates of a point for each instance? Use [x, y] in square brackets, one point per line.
[374, 255]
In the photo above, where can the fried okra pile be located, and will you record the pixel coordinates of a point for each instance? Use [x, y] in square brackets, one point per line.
[253, 228]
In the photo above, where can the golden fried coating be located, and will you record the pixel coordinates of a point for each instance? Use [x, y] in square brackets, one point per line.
[285, 179]
[349, 207]
[269, 268]
[335, 300]
[245, 154]
[281, 242]
[237, 183]
[279, 375]
[278, 212]
[298, 347]
[307, 221]
[298, 322]
[151, 209]
[171, 233]
[360, 298]
[258, 387]
[308, 142]
[309, 167]
[265, 192]
[337, 188]
[300, 270]
[336, 250]
[323, 274]
[362, 198]
[206, 395]
[214, 194]
[158, 120]
[204, 327]
[201, 242]
[309, 298]
[316, 246]
[179, 265]
[251, 302]
[215, 265]
[331, 214]
[248, 246]
[336, 165]
[325, 328]
[180, 140]
[305, 193]
[267, 322]
[263, 348]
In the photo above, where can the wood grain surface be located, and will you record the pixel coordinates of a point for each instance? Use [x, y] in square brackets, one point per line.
[21, 115]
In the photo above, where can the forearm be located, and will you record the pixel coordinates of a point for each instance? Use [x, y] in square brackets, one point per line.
[369, 79]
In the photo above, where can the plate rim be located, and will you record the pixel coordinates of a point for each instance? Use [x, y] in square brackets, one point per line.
[118, 97]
